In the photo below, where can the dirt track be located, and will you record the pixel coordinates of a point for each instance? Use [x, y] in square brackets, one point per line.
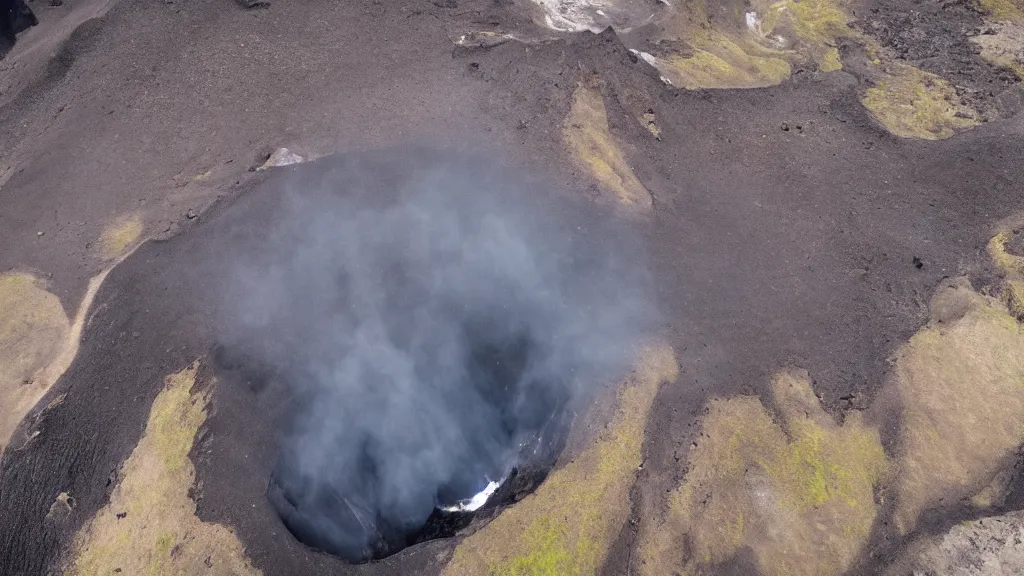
[787, 227]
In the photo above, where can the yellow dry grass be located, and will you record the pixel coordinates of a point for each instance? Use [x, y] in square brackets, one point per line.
[33, 329]
[120, 236]
[815, 25]
[1004, 10]
[830, 61]
[1005, 45]
[794, 488]
[905, 100]
[589, 139]
[719, 56]
[798, 493]
[817, 21]
[37, 345]
[160, 533]
[1012, 267]
[567, 525]
[961, 385]
[723, 62]
[911, 103]
[1013, 297]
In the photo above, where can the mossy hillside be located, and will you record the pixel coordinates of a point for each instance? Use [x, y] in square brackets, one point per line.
[566, 527]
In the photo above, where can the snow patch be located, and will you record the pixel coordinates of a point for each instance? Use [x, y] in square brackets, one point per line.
[649, 58]
[473, 504]
[596, 15]
[282, 157]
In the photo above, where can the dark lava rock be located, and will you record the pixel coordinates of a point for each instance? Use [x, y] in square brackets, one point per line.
[15, 17]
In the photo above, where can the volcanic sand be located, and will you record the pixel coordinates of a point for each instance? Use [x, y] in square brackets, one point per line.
[785, 231]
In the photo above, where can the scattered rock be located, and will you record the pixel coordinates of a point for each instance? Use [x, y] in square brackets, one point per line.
[648, 121]
[483, 39]
[1003, 45]
[61, 507]
[986, 547]
[281, 157]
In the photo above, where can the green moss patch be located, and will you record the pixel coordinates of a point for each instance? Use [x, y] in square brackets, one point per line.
[567, 525]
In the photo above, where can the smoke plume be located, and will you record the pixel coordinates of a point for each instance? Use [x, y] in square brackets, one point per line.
[436, 321]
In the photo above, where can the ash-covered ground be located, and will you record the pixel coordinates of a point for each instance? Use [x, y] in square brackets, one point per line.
[824, 195]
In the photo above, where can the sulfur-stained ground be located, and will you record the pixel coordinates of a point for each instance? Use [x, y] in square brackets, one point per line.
[830, 197]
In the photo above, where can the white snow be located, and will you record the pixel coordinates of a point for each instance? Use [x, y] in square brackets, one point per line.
[595, 15]
[282, 157]
[753, 22]
[473, 504]
[649, 58]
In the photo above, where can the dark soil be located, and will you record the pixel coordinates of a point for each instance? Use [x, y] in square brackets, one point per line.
[936, 37]
[817, 247]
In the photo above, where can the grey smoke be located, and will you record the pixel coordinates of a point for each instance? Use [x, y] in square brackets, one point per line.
[436, 320]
